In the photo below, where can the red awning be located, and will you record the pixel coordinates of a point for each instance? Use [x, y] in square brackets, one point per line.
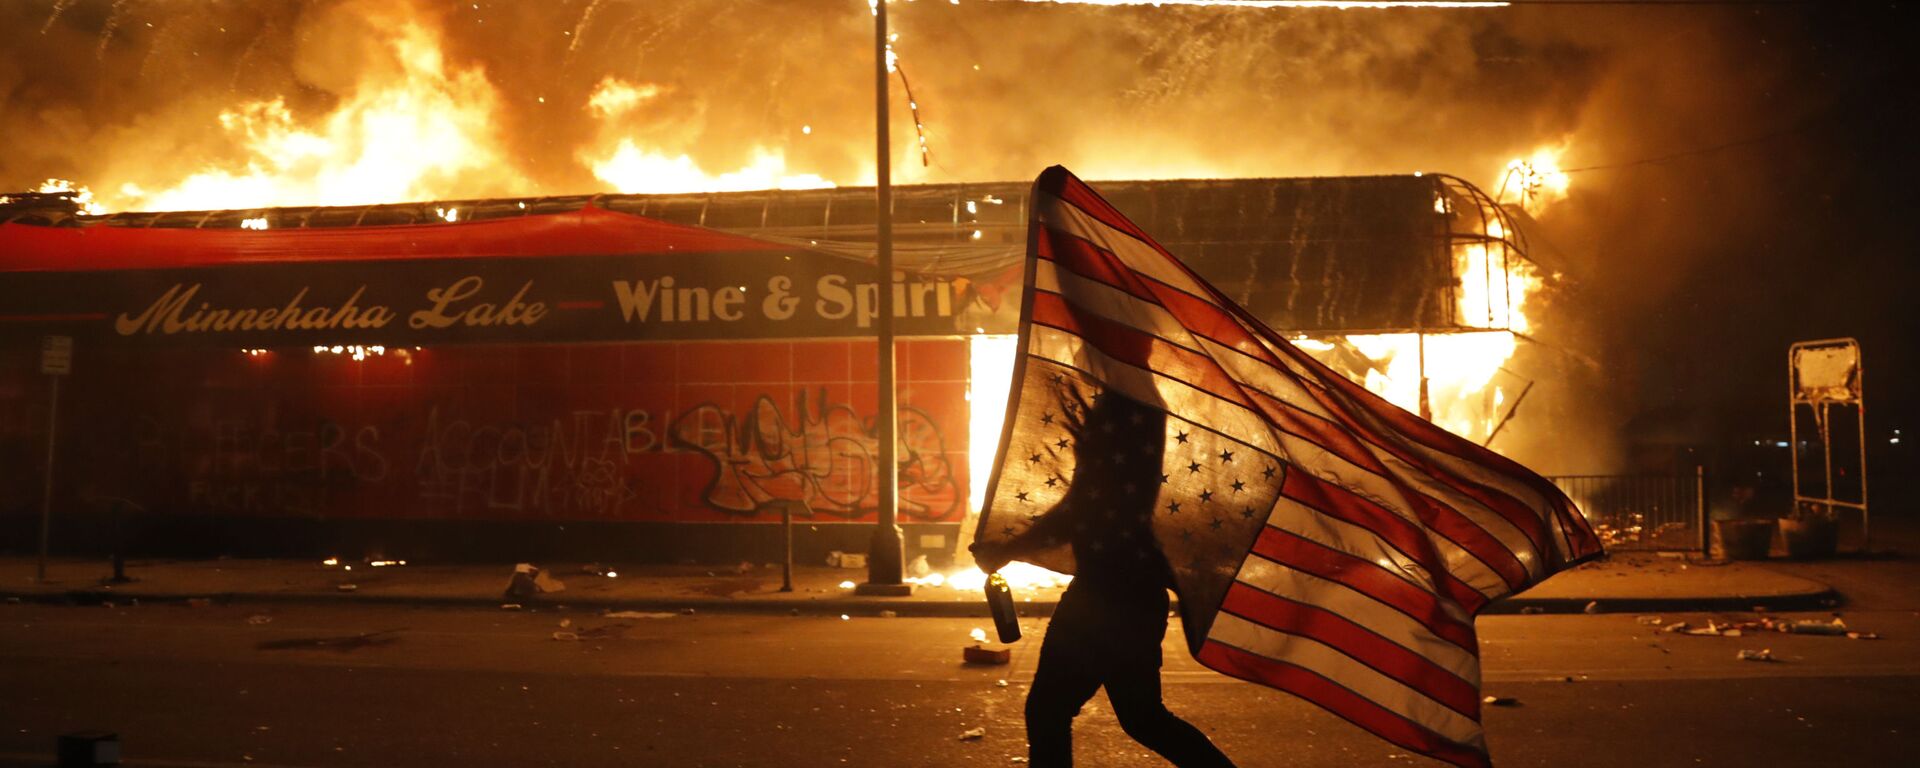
[588, 231]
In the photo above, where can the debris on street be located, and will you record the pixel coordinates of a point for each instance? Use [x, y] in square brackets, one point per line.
[566, 636]
[638, 615]
[980, 654]
[1764, 654]
[973, 734]
[1500, 701]
[259, 618]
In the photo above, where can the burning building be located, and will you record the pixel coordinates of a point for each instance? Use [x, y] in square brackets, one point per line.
[651, 377]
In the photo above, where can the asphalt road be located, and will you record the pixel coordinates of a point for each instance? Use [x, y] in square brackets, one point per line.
[335, 686]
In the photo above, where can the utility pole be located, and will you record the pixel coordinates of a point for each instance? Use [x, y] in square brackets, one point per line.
[886, 570]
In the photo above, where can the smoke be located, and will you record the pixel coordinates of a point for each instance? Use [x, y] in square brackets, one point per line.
[115, 92]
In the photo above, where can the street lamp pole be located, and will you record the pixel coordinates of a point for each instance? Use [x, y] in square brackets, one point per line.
[886, 570]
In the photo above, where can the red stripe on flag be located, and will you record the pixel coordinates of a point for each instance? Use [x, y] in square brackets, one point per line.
[1061, 184]
[1339, 700]
[1135, 347]
[1364, 645]
[1090, 261]
[1529, 521]
[1367, 578]
[1339, 502]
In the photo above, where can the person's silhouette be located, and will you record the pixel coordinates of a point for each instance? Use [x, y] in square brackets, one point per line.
[1112, 618]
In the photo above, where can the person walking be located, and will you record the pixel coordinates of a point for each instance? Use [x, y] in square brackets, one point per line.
[1111, 621]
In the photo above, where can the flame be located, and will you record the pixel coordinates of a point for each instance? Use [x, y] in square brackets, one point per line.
[1535, 182]
[630, 168]
[82, 196]
[424, 133]
[1018, 575]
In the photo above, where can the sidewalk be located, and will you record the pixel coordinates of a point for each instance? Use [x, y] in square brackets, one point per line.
[1624, 583]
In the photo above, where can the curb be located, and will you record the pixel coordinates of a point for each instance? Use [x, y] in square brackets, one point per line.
[1816, 600]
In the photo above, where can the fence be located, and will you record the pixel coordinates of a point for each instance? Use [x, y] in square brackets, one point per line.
[1643, 512]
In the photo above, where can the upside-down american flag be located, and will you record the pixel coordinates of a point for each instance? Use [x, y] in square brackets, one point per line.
[1321, 540]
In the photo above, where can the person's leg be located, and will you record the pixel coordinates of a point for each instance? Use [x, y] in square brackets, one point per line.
[1061, 685]
[1135, 694]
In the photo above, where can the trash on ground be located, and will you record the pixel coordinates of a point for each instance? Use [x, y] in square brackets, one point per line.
[566, 636]
[1500, 701]
[919, 566]
[1652, 621]
[743, 567]
[347, 587]
[1862, 636]
[889, 614]
[1532, 610]
[509, 606]
[198, 602]
[1000, 683]
[259, 618]
[979, 654]
[1593, 607]
[638, 615]
[973, 734]
[564, 623]
[1764, 654]
[979, 635]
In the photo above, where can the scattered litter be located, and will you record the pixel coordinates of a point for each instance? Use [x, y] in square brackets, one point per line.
[847, 560]
[1018, 759]
[1532, 610]
[198, 602]
[1675, 628]
[638, 615]
[1810, 627]
[1500, 701]
[844, 617]
[686, 611]
[1000, 683]
[889, 614]
[1651, 621]
[1764, 654]
[743, 567]
[509, 606]
[974, 734]
[848, 584]
[347, 587]
[330, 562]
[1862, 636]
[259, 618]
[1593, 607]
[566, 636]
[919, 566]
[564, 623]
[977, 654]
[979, 635]
[520, 585]
[547, 583]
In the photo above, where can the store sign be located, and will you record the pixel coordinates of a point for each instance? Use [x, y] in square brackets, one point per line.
[746, 295]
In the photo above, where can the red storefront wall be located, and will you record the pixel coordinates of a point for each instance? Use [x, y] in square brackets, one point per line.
[674, 432]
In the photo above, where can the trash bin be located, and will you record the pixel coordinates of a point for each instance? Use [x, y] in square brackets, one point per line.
[1745, 539]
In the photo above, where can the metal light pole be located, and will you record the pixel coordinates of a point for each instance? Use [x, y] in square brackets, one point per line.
[885, 567]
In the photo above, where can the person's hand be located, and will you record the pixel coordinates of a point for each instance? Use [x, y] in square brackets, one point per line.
[990, 556]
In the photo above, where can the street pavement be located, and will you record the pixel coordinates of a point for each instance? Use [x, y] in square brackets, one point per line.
[269, 663]
[390, 685]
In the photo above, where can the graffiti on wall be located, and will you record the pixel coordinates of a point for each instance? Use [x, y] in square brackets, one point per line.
[564, 467]
[823, 456]
[251, 466]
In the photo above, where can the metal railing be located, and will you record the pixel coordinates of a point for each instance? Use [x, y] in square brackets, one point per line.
[1643, 512]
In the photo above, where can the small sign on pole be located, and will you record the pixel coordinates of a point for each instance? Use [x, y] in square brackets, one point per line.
[56, 355]
[56, 360]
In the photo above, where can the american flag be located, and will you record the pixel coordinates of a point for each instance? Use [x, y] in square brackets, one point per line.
[1321, 540]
